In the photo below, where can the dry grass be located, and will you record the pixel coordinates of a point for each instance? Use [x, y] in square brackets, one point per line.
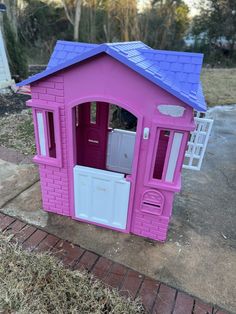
[17, 131]
[38, 283]
[219, 86]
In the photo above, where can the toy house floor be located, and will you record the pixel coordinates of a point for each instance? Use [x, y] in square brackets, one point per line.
[200, 254]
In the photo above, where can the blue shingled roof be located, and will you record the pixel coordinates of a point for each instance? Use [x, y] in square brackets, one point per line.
[67, 50]
[176, 72]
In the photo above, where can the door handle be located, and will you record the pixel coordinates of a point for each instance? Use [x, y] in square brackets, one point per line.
[93, 141]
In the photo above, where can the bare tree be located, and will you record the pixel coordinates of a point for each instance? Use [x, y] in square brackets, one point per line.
[73, 14]
[108, 7]
[91, 6]
[126, 14]
[12, 14]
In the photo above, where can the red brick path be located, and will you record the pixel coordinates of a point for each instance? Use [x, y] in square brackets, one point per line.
[157, 297]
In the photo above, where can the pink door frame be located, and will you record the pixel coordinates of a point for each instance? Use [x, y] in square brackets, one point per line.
[72, 151]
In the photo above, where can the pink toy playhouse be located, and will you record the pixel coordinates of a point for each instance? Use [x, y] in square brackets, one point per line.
[119, 178]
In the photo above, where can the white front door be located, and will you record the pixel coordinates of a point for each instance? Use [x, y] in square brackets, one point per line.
[101, 196]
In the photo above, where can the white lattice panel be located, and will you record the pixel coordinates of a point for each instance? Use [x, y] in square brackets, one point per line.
[198, 143]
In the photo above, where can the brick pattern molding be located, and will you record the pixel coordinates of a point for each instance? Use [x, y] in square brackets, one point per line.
[152, 227]
[51, 89]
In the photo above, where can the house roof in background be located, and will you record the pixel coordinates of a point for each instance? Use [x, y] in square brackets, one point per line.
[176, 72]
[2, 7]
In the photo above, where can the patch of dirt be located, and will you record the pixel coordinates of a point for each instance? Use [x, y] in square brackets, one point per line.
[12, 103]
[39, 283]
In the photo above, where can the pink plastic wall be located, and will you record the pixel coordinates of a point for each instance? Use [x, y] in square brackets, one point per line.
[104, 79]
[54, 180]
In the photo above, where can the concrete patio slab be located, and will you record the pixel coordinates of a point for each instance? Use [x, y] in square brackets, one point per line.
[14, 179]
[28, 206]
[200, 254]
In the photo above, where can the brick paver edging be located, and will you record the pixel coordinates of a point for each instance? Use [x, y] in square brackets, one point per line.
[156, 297]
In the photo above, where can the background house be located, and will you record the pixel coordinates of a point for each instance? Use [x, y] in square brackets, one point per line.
[5, 75]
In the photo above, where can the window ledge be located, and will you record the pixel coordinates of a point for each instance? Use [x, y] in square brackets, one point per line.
[47, 161]
[168, 186]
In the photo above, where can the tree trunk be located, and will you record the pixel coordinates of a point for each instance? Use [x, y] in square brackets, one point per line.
[12, 14]
[108, 8]
[73, 18]
[77, 19]
[1, 21]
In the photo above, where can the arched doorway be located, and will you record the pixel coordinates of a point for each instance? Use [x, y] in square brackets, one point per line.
[103, 163]
[104, 136]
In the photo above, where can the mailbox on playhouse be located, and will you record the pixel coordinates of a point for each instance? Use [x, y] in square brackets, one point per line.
[95, 173]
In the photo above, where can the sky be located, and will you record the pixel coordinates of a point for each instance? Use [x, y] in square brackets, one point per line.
[191, 3]
[192, 6]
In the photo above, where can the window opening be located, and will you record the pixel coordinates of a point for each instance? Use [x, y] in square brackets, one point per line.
[164, 137]
[174, 154]
[46, 134]
[77, 116]
[93, 112]
[120, 118]
[51, 135]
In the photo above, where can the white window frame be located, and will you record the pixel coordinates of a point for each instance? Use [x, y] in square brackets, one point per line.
[41, 130]
[41, 133]
[174, 156]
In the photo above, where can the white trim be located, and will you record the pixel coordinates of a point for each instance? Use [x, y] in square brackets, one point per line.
[41, 134]
[174, 153]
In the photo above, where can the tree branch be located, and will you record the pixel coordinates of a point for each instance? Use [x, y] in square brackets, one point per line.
[70, 19]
